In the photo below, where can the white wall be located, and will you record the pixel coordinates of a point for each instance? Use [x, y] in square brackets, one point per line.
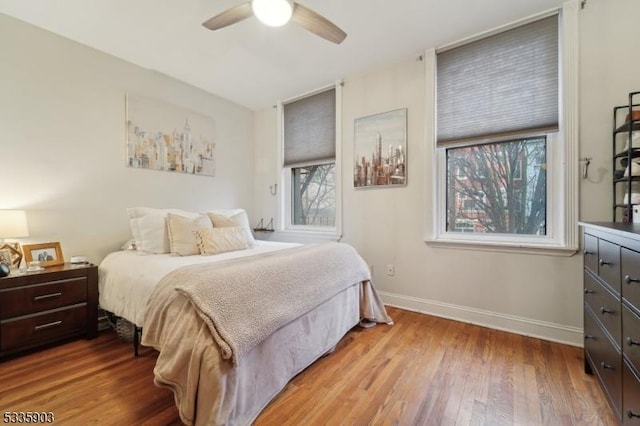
[539, 295]
[266, 160]
[609, 70]
[62, 130]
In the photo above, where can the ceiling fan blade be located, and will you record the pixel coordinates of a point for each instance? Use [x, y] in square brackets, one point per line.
[229, 16]
[317, 24]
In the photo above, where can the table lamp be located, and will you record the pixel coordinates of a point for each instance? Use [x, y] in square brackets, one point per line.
[13, 224]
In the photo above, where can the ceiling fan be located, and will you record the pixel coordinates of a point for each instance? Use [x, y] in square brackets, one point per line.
[276, 13]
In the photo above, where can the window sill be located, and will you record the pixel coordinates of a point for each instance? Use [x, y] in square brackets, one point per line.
[300, 236]
[502, 247]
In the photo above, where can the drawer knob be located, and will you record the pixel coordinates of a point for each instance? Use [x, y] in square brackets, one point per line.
[604, 262]
[632, 342]
[587, 252]
[606, 311]
[607, 366]
[629, 280]
[588, 291]
[588, 336]
[631, 414]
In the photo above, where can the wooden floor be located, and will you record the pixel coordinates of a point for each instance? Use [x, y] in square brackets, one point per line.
[423, 370]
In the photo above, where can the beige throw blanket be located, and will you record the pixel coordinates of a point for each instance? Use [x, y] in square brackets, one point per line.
[244, 302]
[210, 390]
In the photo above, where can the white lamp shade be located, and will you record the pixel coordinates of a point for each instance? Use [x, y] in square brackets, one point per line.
[13, 224]
[274, 13]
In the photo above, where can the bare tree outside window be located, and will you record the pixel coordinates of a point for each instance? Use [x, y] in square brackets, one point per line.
[498, 187]
[313, 189]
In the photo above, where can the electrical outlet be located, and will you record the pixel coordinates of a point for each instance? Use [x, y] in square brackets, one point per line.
[391, 270]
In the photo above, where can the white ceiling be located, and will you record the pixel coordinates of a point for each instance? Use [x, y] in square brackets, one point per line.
[254, 65]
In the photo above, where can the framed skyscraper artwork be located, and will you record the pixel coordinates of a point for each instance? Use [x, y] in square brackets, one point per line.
[380, 150]
[161, 136]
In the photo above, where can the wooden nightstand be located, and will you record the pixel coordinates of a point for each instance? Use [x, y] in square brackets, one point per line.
[48, 306]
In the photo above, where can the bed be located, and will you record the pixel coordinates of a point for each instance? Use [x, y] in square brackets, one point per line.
[223, 360]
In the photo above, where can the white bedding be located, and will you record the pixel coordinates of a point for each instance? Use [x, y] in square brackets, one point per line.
[209, 389]
[127, 278]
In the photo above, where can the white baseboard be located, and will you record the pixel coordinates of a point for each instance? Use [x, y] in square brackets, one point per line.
[525, 326]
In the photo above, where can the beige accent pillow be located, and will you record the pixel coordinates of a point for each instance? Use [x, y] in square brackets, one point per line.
[182, 233]
[234, 217]
[220, 240]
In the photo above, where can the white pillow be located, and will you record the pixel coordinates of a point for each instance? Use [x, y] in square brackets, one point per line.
[220, 240]
[234, 217]
[182, 233]
[150, 233]
[129, 245]
[149, 227]
[136, 212]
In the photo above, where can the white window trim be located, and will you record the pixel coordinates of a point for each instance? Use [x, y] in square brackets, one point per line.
[284, 226]
[564, 204]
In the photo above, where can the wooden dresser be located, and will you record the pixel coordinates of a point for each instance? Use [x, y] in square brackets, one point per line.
[612, 313]
[49, 306]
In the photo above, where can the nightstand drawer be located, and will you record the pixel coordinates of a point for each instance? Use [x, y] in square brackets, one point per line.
[604, 305]
[34, 330]
[42, 297]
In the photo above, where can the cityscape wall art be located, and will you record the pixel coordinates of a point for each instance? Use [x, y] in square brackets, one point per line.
[166, 137]
[380, 151]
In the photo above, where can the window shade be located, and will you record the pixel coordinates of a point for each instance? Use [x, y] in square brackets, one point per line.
[506, 83]
[310, 129]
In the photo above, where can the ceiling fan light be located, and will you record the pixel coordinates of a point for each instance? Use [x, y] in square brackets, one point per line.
[274, 13]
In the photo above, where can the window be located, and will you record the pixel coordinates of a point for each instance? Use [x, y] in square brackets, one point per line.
[493, 196]
[314, 195]
[310, 176]
[464, 226]
[503, 137]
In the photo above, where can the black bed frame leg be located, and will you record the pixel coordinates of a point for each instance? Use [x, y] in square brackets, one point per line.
[136, 339]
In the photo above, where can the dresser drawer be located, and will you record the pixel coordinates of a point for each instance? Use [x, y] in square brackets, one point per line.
[42, 297]
[604, 305]
[594, 335]
[630, 273]
[631, 336]
[609, 264]
[605, 360]
[590, 253]
[631, 398]
[37, 329]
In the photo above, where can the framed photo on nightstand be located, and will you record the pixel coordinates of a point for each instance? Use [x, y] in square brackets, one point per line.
[14, 257]
[6, 257]
[48, 254]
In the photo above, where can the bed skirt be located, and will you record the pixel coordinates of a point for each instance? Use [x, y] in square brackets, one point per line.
[211, 391]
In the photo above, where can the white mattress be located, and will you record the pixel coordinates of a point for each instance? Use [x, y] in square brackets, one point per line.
[127, 278]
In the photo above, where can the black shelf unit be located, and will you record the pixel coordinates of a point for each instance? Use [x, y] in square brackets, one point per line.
[624, 152]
